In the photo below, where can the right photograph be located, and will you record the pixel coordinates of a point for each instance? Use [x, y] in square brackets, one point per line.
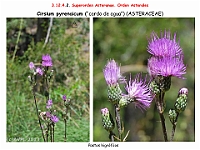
[144, 79]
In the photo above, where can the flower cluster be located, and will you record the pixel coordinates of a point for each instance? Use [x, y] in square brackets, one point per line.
[46, 62]
[166, 61]
[49, 113]
[49, 116]
[137, 89]
[137, 92]
[41, 69]
[35, 70]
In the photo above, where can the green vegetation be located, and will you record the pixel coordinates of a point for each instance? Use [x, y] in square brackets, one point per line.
[68, 46]
[126, 41]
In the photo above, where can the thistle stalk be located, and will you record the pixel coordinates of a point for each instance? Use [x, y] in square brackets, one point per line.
[38, 116]
[118, 121]
[66, 104]
[174, 127]
[65, 119]
[160, 107]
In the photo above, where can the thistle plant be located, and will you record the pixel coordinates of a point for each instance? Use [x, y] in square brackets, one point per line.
[47, 119]
[166, 61]
[137, 93]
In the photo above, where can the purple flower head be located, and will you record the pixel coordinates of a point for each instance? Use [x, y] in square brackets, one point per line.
[49, 104]
[139, 91]
[164, 46]
[39, 71]
[48, 114]
[183, 91]
[31, 65]
[46, 57]
[64, 97]
[54, 118]
[166, 66]
[47, 61]
[112, 73]
[104, 111]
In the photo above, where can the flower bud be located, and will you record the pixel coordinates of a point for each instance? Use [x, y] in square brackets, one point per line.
[30, 79]
[163, 82]
[172, 116]
[124, 101]
[181, 101]
[154, 87]
[114, 93]
[31, 65]
[107, 119]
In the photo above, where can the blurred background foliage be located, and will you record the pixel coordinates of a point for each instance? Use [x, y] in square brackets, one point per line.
[126, 41]
[68, 45]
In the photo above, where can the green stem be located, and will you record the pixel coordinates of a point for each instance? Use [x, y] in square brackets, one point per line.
[18, 36]
[65, 119]
[162, 118]
[53, 133]
[65, 138]
[46, 85]
[160, 106]
[174, 127]
[112, 136]
[118, 122]
[38, 117]
[47, 132]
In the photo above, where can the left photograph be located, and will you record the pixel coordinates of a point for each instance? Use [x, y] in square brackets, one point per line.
[47, 78]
